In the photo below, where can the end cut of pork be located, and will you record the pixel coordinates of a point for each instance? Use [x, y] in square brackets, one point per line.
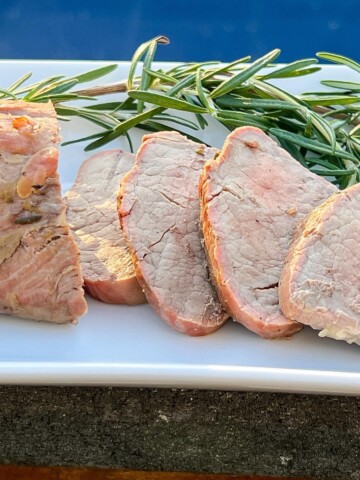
[40, 276]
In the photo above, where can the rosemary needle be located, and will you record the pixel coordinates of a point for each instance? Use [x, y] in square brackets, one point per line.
[319, 129]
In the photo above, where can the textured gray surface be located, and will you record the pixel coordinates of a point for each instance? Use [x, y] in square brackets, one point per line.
[209, 431]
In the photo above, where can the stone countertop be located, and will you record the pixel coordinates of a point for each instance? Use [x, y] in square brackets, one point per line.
[181, 430]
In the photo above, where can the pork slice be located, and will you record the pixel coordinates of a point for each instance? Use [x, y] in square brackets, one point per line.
[159, 211]
[40, 275]
[251, 197]
[106, 262]
[319, 284]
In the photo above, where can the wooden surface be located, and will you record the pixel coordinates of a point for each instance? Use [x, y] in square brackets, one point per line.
[11, 472]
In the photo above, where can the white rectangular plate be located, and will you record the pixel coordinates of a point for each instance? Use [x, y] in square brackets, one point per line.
[131, 346]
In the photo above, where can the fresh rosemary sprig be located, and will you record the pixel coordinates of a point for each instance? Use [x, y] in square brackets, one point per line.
[320, 129]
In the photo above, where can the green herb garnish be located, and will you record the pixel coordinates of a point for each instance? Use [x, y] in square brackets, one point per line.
[320, 129]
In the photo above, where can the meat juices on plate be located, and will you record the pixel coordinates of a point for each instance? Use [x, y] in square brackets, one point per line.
[40, 275]
[106, 262]
[320, 282]
[159, 211]
[252, 195]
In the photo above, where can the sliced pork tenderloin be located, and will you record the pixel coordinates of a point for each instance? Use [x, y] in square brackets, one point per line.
[252, 195]
[40, 275]
[320, 284]
[159, 211]
[106, 262]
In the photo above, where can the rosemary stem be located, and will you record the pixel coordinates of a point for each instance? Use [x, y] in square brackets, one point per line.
[120, 87]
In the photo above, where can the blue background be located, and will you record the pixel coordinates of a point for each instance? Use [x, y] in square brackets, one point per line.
[199, 30]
